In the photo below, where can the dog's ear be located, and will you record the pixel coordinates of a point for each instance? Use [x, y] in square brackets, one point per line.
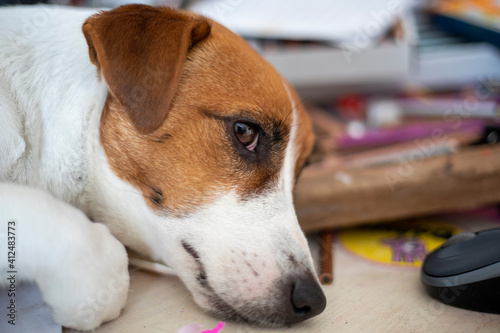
[140, 52]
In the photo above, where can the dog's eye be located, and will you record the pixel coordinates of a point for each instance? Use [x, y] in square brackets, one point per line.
[246, 134]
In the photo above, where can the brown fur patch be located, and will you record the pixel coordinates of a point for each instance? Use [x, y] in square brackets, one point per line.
[123, 44]
[304, 138]
[192, 155]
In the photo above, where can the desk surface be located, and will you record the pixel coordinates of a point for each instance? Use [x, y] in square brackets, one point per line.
[365, 297]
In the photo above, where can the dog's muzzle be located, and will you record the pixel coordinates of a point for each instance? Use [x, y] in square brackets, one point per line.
[292, 298]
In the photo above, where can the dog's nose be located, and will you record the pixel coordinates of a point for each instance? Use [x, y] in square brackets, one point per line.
[308, 300]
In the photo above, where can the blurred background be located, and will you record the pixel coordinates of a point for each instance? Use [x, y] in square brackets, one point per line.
[327, 48]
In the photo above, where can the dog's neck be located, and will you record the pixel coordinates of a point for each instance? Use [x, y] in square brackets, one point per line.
[52, 101]
[50, 94]
[51, 106]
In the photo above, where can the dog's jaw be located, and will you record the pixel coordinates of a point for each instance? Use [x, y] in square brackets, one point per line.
[247, 256]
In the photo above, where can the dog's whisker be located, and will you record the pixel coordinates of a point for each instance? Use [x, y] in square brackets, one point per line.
[125, 191]
[295, 106]
[295, 125]
[156, 200]
[157, 191]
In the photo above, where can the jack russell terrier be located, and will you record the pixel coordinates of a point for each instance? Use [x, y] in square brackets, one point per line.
[173, 133]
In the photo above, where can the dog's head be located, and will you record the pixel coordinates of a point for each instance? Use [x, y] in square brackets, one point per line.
[213, 139]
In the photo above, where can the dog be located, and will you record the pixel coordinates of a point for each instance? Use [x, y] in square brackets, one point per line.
[162, 131]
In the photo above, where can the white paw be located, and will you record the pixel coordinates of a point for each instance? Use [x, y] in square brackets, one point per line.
[92, 282]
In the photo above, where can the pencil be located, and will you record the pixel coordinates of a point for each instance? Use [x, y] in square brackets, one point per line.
[326, 276]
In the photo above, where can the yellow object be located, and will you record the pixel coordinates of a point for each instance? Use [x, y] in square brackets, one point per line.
[484, 8]
[400, 244]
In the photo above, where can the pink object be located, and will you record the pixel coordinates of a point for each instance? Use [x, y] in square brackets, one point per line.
[191, 328]
[216, 329]
[435, 130]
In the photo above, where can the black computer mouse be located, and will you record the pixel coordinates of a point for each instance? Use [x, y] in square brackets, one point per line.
[465, 271]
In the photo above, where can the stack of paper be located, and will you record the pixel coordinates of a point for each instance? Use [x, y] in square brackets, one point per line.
[339, 21]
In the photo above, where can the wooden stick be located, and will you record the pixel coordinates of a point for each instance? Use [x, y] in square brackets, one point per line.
[326, 276]
[328, 199]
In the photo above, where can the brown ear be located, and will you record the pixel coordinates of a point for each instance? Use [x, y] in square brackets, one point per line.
[140, 52]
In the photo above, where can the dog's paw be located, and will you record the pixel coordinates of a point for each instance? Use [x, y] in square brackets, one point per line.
[92, 283]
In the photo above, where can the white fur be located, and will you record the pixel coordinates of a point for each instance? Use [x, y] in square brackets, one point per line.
[50, 106]
[80, 267]
[49, 95]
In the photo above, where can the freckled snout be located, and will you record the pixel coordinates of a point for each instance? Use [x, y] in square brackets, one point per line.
[306, 299]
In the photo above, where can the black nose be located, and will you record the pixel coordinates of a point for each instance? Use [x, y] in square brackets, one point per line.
[307, 298]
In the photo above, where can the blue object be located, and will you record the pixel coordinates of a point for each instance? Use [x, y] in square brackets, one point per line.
[31, 314]
[467, 28]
